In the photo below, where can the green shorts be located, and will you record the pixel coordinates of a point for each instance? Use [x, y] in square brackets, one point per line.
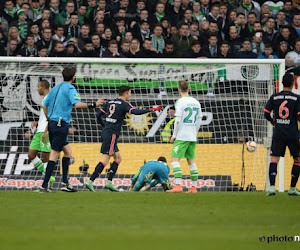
[38, 144]
[184, 149]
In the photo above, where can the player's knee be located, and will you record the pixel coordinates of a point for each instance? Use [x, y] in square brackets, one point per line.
[68, 153]
[31, 156]
[45, 157]
[275, 159]
[173, 159]
[136, 188]
[104, 162]
[118, 159]
[191, 162]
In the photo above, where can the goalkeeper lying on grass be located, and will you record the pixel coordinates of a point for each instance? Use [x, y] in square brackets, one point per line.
[158, 171]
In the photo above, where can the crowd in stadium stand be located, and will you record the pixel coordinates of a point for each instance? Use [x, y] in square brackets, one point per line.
[151, 29]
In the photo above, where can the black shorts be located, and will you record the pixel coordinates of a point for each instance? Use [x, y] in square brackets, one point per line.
[109, 143]
[58, 135]
[279, 145]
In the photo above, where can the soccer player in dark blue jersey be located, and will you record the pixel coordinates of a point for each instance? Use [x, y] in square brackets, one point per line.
[286, 112]
[115, 112]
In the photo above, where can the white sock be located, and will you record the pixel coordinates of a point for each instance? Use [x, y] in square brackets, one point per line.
[194, 174]
[177, 172]
[36, 160]
[178, 181]
[38, 164]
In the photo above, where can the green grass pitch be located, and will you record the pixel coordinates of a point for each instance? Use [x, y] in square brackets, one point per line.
[150, 220]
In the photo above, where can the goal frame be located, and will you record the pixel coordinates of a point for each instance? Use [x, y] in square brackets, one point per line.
[280, 62]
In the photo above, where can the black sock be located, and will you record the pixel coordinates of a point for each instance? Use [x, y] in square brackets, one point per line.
[272, 173]
[98, 170]
[49, 171]
[65, 168]
[295, 174]
[112, 171]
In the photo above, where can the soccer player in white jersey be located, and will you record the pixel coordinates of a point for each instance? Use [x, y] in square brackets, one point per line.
[40, 141]
[188, 117]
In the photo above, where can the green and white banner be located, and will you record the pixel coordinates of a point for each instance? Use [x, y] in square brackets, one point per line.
[155, 75]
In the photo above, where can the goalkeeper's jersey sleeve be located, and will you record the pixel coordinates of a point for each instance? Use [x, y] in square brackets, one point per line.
[188, 114]
[42, 119]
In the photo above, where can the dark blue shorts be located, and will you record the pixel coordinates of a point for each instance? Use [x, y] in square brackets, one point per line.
[109, 143]
[279, 145]
[58, 135]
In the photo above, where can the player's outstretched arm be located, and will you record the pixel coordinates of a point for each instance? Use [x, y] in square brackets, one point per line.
[144, 111]
[83, 105]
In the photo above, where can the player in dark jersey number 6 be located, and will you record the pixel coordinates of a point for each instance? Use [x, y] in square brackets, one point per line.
[115, 113]
[286, 111]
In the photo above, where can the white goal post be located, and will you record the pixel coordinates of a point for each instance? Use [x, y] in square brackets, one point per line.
[232, 93]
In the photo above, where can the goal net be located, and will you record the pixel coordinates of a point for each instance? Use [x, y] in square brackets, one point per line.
[232, 93]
